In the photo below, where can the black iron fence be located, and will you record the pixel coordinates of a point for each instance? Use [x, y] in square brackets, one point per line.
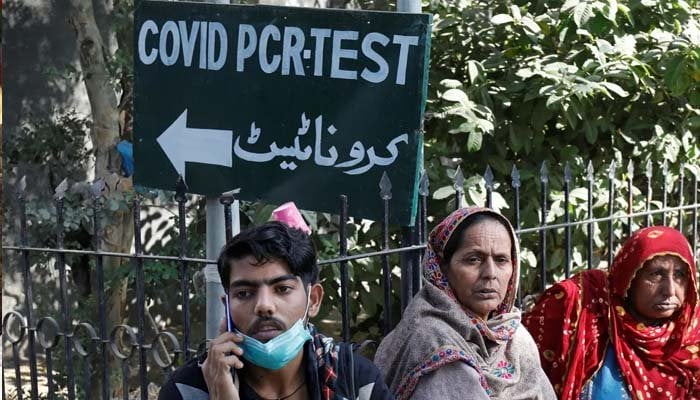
[100, 346]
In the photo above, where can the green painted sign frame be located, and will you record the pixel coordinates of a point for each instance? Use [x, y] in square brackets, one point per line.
[281, 103]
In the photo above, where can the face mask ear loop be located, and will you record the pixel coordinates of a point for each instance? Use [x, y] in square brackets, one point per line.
[352, 370]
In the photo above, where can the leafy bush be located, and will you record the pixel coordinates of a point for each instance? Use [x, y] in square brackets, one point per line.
[522, 83]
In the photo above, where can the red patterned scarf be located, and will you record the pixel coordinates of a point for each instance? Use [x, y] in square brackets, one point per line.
[575, 320]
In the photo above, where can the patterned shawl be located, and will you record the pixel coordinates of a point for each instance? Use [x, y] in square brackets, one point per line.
[437, 330]
[574, 321]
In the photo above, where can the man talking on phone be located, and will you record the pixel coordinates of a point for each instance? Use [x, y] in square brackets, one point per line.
[270, 350]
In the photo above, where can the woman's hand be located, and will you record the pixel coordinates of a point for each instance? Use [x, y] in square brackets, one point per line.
[223, 354]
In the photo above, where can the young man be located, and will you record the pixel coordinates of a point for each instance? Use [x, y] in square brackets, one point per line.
[271, 351]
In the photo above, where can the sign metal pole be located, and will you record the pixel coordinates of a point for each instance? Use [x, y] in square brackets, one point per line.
[215, 240]
[409, 6]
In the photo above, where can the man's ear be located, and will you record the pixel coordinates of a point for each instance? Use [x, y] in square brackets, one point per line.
[315, 299]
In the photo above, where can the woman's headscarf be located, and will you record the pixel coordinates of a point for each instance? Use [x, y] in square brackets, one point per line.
[437, 330]
[590, 309]
[437, 240]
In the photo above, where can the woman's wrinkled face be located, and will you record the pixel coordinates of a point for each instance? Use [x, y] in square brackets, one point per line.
[658, 290]
[481, 267]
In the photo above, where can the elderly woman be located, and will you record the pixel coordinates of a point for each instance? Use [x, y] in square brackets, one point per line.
[631, 333]
[460, 337]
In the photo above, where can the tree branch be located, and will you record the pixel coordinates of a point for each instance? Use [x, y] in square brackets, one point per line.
[103, 103]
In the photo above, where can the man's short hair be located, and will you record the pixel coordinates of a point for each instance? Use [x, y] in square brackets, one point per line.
[272, 241]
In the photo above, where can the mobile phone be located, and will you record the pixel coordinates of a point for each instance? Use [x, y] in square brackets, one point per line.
[230, 327]
[229, 322]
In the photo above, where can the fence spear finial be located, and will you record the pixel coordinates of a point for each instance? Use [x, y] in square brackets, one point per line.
[515, 176]
[567, 172]
[589, 171]
[649, 169]
[458, 181]
[544, 172]
[611, 169]
[488, 177]
[630, 169]
[385, 187]
[22, 186]
[60, 190]
[424, 185]
[664, 168]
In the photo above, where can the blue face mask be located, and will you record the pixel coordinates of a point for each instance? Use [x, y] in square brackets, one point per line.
[278, 351]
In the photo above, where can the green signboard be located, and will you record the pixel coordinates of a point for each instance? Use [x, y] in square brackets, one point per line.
[283, 103]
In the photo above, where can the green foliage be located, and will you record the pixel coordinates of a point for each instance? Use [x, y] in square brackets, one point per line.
[522, 83]
[54, 150]
[121, 63]
[58, 146]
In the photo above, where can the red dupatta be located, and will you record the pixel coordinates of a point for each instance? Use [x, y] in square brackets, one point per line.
[574, 320]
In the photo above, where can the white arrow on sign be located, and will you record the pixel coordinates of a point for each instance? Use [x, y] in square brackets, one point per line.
[206, 146]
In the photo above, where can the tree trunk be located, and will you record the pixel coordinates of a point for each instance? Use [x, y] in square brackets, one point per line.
[104, 134]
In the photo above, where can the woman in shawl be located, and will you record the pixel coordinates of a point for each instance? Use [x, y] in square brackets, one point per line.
[630, 333]
[461, 337]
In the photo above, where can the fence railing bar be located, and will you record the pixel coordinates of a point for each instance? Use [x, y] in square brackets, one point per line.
[567, 220]
[48, 343]
[352, 257]
[680, 198]
[65, 309]
[589, 206]
[203, 260]
[422, 227]
[385, 195]
[611, 210]
[515, 183]
[665, 194]
[4, 387]
[125, 379]
[458, 184]
[181, 189]
[630, 199]
[49, 374]
[695, 216]
[649, 172]
[488, 179]
[619, 216]
[85, 352]
[18, 376]
[141, 300]
[344, 276]
[96, 191]
[109, 254]
[406, 265]
[29, 297]
[544, 180]
[417, 264]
